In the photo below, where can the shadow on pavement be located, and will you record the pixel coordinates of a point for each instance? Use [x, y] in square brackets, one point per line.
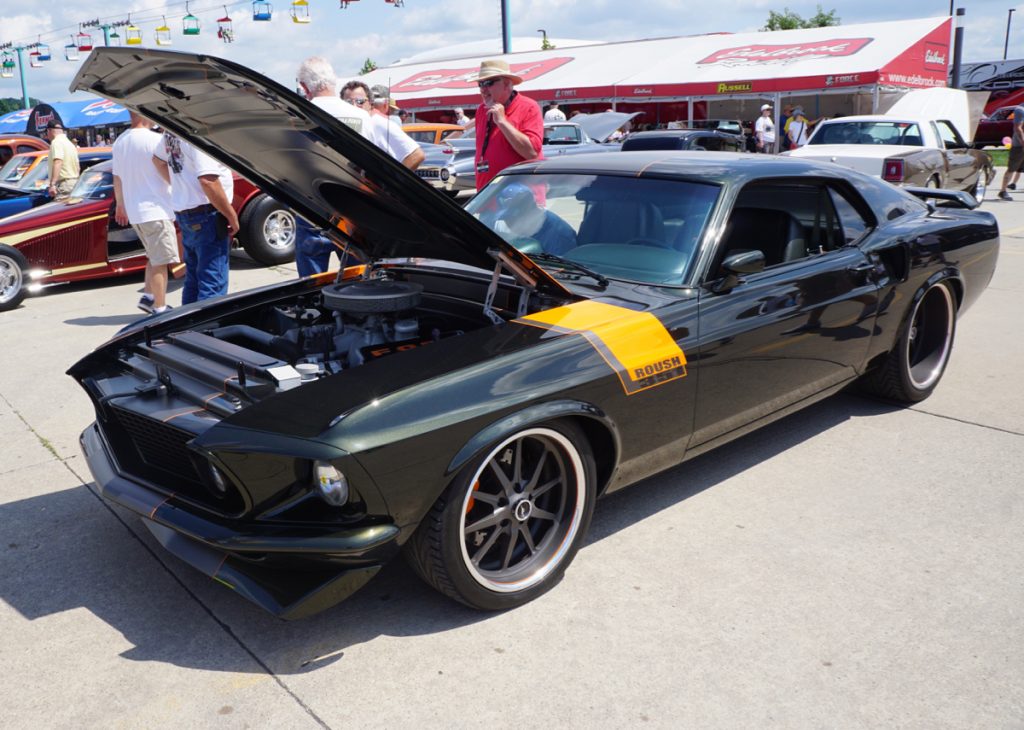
[62, 551]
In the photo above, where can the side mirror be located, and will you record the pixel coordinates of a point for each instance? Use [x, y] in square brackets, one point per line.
[734, 266]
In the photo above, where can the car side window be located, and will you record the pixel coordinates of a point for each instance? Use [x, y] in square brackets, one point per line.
[853, 224]
[787, 220]
[5, 154]
[712, 144]
[948, 134]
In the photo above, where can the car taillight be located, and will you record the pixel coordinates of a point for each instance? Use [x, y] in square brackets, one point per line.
[447, 150]
[892, 170]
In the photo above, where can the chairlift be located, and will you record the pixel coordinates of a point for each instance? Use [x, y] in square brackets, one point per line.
[262, 10]
[84, 41]
[132, 35]
[33, 60]
[7, 65]
[396, 3]
[44, 51]
[71, 50]
[114, 39]
[162, 34]
[346, 3]
[300, 11]
[225, 31]
[190, 23]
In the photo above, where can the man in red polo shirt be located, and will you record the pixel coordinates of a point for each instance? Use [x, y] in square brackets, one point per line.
[509, 126]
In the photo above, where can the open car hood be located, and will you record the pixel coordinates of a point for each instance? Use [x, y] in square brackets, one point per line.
[600, 125]
[301, 156]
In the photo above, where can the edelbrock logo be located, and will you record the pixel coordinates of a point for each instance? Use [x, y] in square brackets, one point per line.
[465, 78]
[757, 53]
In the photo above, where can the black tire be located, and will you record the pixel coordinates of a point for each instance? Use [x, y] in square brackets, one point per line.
[13, 277]
[267, 231]
[914, 367]
[530, 521]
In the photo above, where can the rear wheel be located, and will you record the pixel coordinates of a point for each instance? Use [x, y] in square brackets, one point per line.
[507, 528]
[914, 367]
[13, 276]
[268, 231]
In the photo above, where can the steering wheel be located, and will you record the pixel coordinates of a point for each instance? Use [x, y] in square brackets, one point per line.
[652, 242]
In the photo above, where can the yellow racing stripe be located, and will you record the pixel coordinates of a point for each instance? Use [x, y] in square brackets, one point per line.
[15, 238]
[635, 345]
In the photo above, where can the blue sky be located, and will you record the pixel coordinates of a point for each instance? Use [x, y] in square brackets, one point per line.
[375, 29]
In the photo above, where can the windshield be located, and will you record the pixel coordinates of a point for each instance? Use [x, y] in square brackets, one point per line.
[902, 133]
[638, 229]
[96, 184]
[15, 169]
[36, 179]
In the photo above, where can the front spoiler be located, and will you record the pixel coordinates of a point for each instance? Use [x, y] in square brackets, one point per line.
[324, 566]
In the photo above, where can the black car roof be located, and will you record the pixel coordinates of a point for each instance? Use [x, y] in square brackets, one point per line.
[717, 167]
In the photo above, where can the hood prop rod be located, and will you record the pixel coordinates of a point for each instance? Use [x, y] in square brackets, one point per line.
[526, 282]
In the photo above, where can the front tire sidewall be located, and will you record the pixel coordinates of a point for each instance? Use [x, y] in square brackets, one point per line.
[471, 586]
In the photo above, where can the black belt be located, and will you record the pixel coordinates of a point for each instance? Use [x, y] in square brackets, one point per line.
[205, 208]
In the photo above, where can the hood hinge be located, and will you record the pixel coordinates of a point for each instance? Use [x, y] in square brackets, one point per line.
[527, 283]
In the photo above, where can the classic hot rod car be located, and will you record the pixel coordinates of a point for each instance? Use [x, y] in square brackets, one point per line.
[468, 390]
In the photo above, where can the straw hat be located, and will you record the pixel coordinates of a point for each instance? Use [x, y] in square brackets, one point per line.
[497, 68]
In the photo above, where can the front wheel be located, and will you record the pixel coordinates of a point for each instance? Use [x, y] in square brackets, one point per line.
[13, 273]
[268, 231]
[505, 531]
[915, 365]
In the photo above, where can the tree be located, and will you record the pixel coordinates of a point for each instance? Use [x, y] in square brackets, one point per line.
[546, 45]
[788, 20]
[10, 104]
[368, 66]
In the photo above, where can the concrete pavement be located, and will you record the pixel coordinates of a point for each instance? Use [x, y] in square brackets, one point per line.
[854, 565]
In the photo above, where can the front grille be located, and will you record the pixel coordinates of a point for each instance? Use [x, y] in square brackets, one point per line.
[432, 173]
[158, 453]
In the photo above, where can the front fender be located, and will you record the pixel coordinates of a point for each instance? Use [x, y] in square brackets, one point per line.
[538, 413]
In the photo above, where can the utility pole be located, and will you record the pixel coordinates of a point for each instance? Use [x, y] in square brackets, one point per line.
[506, 35]
[958, 46]
[1006, 44]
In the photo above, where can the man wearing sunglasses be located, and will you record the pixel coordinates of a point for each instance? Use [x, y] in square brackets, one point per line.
[385, 133]
[509, 126]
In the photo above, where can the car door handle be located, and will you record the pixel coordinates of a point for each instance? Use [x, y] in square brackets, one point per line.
[866, 269]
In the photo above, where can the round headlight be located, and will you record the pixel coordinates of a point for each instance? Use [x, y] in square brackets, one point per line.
[331, 483]
[444, 173]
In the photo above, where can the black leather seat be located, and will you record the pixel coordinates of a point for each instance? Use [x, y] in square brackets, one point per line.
[614, 221]
[776, 233]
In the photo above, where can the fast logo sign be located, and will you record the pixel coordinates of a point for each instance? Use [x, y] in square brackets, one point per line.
[757, 54]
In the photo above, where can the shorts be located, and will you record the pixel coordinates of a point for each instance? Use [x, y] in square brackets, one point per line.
[1015, 161]
[160, 241]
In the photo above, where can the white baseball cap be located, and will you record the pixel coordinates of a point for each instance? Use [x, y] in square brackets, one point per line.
[765, 106]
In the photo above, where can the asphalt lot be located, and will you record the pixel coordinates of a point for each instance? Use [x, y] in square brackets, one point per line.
[854, 565]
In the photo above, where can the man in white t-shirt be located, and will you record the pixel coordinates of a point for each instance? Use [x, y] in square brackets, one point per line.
[384, 133]
[764, 130]
[201, 192]
[317, 83]
[554, 114]
[144, 202]
[797, 129]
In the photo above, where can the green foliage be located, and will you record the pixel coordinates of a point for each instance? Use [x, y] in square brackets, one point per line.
[546, 45]
[788, 20]
[368, 66]
[10, 104]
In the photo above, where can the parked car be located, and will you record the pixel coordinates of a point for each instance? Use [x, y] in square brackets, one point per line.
[12, 144]
[684, 139]
[32, 189]
[427, 133]
[586, 133]
[18, 166]
[904, 150]
[994, 128]
[466, 395]
[78, 239]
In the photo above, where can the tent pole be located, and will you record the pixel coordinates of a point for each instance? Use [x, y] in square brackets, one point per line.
[874, 100]
[776, 110]
[689, 112]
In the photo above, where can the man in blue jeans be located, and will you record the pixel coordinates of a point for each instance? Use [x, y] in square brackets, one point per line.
[201, 192]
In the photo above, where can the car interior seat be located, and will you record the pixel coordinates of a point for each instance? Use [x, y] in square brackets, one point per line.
[620, 221]
[912, 140]
[776, 233]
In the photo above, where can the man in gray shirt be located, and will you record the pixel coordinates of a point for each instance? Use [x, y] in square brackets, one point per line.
[1015, 162]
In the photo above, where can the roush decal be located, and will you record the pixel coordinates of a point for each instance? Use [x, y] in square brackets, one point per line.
[762, 53]
[635, 345]
[465, 78]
